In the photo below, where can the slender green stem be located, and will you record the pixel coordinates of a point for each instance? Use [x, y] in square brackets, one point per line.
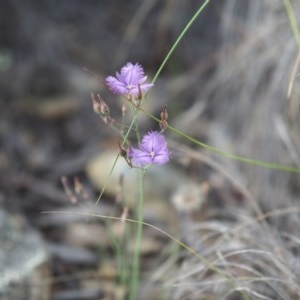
[183, 33]
[122, 256]
[293, 21]
[227, 154]
[107, 180]
[135, 111]
[139, 235]
[116, 245]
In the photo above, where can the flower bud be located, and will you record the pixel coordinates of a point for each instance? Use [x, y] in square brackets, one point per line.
[104, 107]
[96, 104]
[99, 105]
[164, 113]
[163, 124]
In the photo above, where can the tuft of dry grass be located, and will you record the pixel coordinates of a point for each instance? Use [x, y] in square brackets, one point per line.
[255, 241]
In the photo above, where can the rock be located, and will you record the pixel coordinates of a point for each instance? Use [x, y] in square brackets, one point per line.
[23, 259]
[162, 184]
[87, 235]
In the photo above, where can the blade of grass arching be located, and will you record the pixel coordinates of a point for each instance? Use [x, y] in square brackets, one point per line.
[293, 21]
[205, 261]
[243, 159]
[180, 37]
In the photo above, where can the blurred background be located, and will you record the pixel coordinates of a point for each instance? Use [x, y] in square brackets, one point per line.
[231, 83]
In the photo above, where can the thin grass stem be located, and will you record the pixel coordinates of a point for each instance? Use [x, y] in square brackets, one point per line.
[139, 235]
[180, 37]
[293, 21]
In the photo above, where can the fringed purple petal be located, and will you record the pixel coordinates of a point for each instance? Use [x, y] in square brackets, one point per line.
[161, 158]
[132, 74]
[153, 150]
[130, 80]
[139, 157]
[115, 85]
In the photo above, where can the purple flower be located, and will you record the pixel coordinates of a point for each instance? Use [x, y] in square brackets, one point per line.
[129, 80]
[152, 150]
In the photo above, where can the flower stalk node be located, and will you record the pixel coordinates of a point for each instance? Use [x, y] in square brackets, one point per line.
[123, 153]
